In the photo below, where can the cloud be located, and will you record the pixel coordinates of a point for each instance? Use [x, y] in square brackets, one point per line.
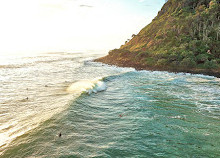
[144, 3]
[88, 6]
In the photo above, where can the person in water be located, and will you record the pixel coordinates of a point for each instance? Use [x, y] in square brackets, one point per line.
[60, 134]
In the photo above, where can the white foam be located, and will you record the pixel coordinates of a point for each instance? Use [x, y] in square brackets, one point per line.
[87, 86]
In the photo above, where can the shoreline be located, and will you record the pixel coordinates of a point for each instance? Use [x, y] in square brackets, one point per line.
[126, 62]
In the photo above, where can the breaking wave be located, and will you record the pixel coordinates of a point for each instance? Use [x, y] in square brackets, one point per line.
[87, 86]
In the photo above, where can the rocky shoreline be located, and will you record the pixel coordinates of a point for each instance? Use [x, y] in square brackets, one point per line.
[127, 61]
[181, 38]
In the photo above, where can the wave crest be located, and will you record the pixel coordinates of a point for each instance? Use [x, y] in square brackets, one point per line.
[87, 86]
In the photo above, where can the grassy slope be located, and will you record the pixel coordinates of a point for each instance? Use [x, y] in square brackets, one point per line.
[185, 36]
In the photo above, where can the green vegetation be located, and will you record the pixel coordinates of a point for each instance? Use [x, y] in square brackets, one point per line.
[185, 34]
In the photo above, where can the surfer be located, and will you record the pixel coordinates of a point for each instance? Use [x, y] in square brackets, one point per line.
[60, 134]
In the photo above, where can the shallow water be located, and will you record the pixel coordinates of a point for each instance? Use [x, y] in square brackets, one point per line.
[105, 111]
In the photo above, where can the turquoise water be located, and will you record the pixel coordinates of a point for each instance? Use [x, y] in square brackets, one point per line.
[129, 114]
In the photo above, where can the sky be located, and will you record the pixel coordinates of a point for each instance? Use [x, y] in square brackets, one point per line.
[71, 25]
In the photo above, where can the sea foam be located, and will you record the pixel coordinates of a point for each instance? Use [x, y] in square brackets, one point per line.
[87, 86]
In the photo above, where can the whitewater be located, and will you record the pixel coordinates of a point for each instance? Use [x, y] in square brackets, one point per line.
[103, 110]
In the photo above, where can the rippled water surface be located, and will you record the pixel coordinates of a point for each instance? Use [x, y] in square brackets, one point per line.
[104, 111]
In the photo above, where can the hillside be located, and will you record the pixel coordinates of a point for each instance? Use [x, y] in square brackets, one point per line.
[184, 36]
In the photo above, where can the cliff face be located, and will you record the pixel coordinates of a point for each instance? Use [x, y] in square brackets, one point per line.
[180, 22]
[184, 35]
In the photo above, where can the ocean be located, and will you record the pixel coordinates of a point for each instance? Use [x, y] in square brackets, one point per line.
[65, 105]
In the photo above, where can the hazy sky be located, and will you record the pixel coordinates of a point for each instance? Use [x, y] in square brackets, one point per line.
[71, 25]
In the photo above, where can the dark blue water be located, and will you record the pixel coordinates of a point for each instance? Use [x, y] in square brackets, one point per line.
[140, 114]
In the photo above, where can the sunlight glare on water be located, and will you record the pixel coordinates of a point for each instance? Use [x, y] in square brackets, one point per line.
[105, 111]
